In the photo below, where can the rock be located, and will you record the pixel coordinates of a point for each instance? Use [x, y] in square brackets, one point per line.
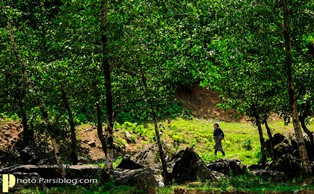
[128, 137]
[288, 164]
[254, 167]
[281, 149]
[278, 138]
[82, 172]
[274, 175]
[288, 145]
[142, 179]
[219, 175]
[92, 143]
[149, 156]
[82, 160]
[228, 166]
[127, 163]
[175, 157]
[34, 155]
[190, 167]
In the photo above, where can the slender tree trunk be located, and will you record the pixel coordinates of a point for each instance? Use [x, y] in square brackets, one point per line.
[73, 154]
[41, 107]
[305, 129]
[100, 129]
[52, 137]
[270, 136]
[107, 74]
[260, 133]
[261, 140]
[166, 176]
[28, 133]
[103, 140]
[292, 98]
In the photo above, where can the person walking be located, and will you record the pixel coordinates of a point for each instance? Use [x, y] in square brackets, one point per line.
[218, 137]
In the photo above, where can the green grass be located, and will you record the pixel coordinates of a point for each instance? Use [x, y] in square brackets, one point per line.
[245, 183]
[241, 139]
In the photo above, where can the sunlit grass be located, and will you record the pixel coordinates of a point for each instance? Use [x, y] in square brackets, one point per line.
[238, 184]
[241, 139]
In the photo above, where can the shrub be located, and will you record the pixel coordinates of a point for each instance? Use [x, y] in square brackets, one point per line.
[247, 144]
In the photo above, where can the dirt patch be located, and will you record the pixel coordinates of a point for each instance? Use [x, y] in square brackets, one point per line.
[91, 145]
[10, 133]
[10, 144]
[203, 104]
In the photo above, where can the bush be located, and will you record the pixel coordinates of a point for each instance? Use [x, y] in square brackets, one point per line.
[247, 144]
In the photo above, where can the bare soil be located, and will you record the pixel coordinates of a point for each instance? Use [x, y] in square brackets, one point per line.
[203, 104]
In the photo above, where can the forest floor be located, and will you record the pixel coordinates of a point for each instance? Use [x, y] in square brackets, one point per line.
[241, 141]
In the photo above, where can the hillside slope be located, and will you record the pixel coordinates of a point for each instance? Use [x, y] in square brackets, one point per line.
[203, 104]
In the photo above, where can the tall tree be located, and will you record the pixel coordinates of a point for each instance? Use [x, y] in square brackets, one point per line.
[107, 74]
[292, 97]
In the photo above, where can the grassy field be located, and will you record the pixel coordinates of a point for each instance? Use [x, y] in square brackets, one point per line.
[241, 139]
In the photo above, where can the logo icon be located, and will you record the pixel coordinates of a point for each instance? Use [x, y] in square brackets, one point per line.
[8, 181]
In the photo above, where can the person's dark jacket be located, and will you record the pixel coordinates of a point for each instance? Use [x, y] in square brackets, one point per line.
[218, 131]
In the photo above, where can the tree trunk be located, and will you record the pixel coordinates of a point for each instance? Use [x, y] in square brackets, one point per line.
[100, 130]
[73, 154]
[106, 171]
[107, 75]
[28, 133]
[260, 133]
[270, 136]
[305, 129]
[261, 140]
[52, 137]
[41, 107]
[166, 176]
[292, 98]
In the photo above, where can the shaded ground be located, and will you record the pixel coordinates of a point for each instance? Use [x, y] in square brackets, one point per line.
[91, 146]
[201, 101]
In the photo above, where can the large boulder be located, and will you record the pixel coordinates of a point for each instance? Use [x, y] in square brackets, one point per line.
[288, 164]
[142, 179]
[190, 167]
[175, 157]
[127, 163]
[149, 156]
[287, 145]
[228, 166]
[276, 176]
[34, 155]
[278, 138]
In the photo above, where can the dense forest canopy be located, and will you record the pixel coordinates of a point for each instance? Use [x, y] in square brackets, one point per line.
[68, 62]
